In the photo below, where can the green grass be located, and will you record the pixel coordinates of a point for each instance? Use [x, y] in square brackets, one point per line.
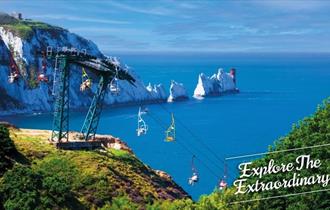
[119, 153]
[24, 28]
[95, 177]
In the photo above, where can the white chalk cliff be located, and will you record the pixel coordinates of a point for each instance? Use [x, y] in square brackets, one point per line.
[217, 84]
[177, 92]
[26, 95]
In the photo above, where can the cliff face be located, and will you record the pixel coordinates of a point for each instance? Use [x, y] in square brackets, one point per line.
[177, 92]
[20, 41]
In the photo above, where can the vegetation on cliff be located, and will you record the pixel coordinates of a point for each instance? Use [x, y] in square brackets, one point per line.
[43, 177]
[25, 28]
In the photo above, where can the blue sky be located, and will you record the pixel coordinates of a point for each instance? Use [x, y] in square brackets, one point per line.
[172, 25]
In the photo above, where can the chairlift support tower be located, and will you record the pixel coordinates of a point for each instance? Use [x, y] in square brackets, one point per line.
[104, 68]
[93, 116]
[61, 111]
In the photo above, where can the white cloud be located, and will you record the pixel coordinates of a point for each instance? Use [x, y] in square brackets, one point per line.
[78, 18]
[294, 5]
[151, 11]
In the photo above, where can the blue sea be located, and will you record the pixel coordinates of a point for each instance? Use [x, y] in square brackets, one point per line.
[276, 90]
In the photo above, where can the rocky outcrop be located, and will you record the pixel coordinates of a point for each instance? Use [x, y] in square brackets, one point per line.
[29, 95]
[217, 84]
[177, 92]
[163, 174]
[156, 91]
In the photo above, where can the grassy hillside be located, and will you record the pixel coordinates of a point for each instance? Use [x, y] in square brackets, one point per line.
[77, 179]
[25, 28]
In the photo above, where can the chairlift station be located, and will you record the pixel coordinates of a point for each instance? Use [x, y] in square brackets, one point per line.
[108, 70]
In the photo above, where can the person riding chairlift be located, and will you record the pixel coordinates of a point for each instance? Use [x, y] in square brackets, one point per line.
[222, 184]
[87, 84]
[12, 77]
[42, 74]
[86, 81]
[42, 78]
[14, 71]
[194, 178]
[114, 84]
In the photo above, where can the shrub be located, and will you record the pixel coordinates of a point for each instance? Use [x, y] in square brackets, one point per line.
[7, 148]
[19, 188]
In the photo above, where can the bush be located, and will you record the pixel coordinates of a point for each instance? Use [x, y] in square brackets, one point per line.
[19, 188]
[23, 188]
[120, 203]
[7, 148]
[7, 145]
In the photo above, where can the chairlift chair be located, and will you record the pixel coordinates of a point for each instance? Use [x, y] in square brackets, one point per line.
[86, 82]
[223, 183]
[14, 72]
[114, 86]
[49, 51]
[194, 178]
[42, 77]
[12, 77]
[170, 132]
[42, 73]
[142, 126]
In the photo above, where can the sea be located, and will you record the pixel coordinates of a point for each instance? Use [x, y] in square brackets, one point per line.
[276, 91]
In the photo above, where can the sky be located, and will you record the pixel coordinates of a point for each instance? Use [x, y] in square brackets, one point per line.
[189, 26]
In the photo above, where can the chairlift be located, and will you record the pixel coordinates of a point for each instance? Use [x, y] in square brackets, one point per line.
[114, 86]
[83, 51]
[12, 77]
[14, 73]
[144, 110]
[170, 132]
[223, 183]
[86, 82]
[49, 51]
[142, 126]
[42, 74]
[194, 178]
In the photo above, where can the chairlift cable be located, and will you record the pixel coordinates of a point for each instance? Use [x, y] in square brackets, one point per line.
[161, 123]
[195, 136]
[197, 150]
[165, 109]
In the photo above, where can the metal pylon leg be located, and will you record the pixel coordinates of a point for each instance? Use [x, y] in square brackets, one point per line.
[61, 110]
[93, 116]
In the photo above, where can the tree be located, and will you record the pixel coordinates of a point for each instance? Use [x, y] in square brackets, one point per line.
[311, 131]
[120, 203]
[19, 188]
[7, 148]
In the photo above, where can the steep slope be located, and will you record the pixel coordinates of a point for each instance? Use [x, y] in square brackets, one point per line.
[21, 39]
[93, 178]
